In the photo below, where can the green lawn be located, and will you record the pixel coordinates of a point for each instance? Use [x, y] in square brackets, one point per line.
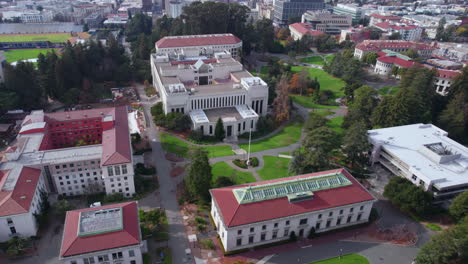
[330, 57]
[181, 148]
[289, 135]
[433, 227]
[54, 38]
[335, 124]
[223, 169]
[327, 82]
[274, 168]
[394, 90]
[345, 259]
[317, 60]
[24, 54]
[323, 112]
[307, 102]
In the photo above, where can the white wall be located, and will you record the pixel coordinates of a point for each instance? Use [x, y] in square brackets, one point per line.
[126, 258]
[25, 225]
[119, 182]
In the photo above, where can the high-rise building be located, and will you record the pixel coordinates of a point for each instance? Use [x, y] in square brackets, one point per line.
[286, 9]
[353, 10]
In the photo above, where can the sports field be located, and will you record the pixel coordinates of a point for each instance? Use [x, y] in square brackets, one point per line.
[54, 38]
[25, 54]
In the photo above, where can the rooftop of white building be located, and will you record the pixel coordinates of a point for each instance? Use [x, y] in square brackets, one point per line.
[428, 152]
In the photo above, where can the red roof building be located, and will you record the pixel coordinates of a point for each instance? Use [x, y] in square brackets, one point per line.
[377, 18]
[103, 233]
[295, 203]
[361, 49]
[298, 30]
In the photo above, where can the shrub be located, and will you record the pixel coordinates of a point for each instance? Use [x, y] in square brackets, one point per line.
[136, 138]
[200, 220]
[254, 162]
[141, 169]
[409, 197]
[240, 163]
[208, 243]
[223, 181]
[311, 233]
[113, 198]
[459, 207]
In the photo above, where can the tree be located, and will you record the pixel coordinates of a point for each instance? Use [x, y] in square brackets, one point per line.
[62, 206]
[450, 246]
[39, 8]
[265, 34]
[283, 33]
[22, 80]
[85, 27]
[219, 130]
[452, 118]
[370, 58]
[412, 53]
[198, 180]
[356, 144]
[440, 34]
[361, 108]
[139, 24]
[395, 36]
[409, 197]
[223, 181]
[459, 207]
[282, 103]
[315, 121]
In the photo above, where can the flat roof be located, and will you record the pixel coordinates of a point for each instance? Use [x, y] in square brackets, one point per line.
[414, 145]
[197, 40]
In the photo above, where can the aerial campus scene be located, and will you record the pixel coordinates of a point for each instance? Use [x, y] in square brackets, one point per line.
[235, 132]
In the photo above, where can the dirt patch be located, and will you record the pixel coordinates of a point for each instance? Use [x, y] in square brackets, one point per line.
[177, 171]
[173, 157]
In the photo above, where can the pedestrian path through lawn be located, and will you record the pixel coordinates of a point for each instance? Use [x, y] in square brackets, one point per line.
[223, 169]
[290, 134]
[177, 146]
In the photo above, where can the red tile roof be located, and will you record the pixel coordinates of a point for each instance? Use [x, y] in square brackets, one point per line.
[235, 214]
[197, 40]
[388, 25]
[392, 44]
[306, 29]
[398, 61]
[72, 244]
[386, 17]
[116, 141]
[448, 74]
[18, 200]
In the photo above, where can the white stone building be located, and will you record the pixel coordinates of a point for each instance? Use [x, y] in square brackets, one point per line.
[367, 46]
[20, 200]
[79, 152]
[208, 84]
[425, 155]
[266, 212]
[106, 234]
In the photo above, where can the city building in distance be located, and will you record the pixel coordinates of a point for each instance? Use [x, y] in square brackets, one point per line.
[286, 9]
[199, 76]
[327, 22]
[269, 211]
[367, 46]
[423, 154]
[105, 234]
[73, 153]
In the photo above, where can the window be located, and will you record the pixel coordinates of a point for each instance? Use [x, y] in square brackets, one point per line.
[361, 208]
[251, 239]
[275, 235]
[117, 170]
[239, 232]
[303, 221]
[110, 171]
[286, 232]
[264, 227]
[89, 260]
[124, 169]
[117, 255]
[9, 221]
[317, 226]
[413, 177]
[287, 222]
[131, 253]
[341, 211]
[73, 262]
[349, 219]
[351, 210]
[103, 258]
[319, 216]
[275, 225]
[359, 217]
[252, 230]
[328, 223]
[338, 222]
[330, 214]
[133, 262]
[12, 230]
[262, 237]
[239, 241]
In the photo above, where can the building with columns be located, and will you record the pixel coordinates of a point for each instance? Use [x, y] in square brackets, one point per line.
[368, 46]
[208, 83]
[265, 212]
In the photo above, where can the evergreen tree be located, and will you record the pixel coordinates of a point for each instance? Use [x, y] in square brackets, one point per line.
[198, 180]
[22, 80]
[360, 110]
[459, 207]
[452, 118]
[219, 130]
[356, 144]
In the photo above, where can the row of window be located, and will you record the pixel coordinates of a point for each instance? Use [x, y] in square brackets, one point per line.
[117, 170]
[74, 123]
[78, 164]
[218, 102]
[106, 258]
[81, 175]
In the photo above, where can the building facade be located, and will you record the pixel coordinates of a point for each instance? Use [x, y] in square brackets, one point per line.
[367, 46]
[352, 10]
[377, 18]
[21, 192]
[299, 30]
[327, 22]
[79, 152]
[105, 234]
[406, 32]
[286, 9]
[423, 154]
[270, 211]
[208, 84]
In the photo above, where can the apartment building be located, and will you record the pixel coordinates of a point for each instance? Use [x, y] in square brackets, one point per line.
[79, 152]
[286, 9]
[367, 46]
[406, 32]
[378, 18]
[423, 154]
[208, 84]
[105, 234]
[327, 22]
[21, 190]
[269, 211]
[299, 30]
[199, 45]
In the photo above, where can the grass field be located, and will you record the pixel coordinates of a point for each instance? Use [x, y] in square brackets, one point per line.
[317, 60]
[307, 102]
[335, 124]
[345, 259]
[322, 112]
[181, 148]
[330, 57]
[54, 38]
[289, 135]
[433, 227]
[274, 168]
[25, 54]
[223, 169]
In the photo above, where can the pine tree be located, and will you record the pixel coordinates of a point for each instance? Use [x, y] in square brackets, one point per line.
[356, 144]
[198, 180]
[452, 118]
[219, 130]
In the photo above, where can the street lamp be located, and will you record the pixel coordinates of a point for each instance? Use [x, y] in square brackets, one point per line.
[248, 152]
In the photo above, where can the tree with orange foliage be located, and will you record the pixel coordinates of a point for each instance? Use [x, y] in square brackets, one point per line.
[300, 81]
[282, 103]
[283, 34]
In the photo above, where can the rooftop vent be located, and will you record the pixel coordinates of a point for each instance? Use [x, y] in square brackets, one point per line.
[299, 197]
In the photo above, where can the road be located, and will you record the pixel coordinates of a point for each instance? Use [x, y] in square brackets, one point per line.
[178, 241]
